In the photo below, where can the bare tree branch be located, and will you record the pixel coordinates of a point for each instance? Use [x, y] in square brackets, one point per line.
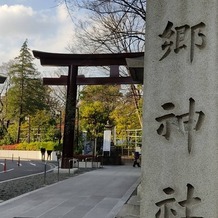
[113, 26]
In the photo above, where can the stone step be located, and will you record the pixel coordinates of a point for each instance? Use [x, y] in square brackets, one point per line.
[131, 209]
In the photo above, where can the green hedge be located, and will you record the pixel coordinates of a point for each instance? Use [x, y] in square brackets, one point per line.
[33, 146]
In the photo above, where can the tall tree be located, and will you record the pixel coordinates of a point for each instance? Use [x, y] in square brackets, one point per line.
[100, 104]
[26, 93]
[125, 116]
[111, 26]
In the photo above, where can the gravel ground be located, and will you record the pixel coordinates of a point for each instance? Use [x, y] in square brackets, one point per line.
[16, 187]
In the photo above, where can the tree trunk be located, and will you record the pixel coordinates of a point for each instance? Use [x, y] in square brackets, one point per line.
[18, 130]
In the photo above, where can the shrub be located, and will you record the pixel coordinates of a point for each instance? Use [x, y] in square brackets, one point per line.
[33, 146]
[8, 147]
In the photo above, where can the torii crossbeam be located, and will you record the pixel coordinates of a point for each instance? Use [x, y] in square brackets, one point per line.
[73, 61]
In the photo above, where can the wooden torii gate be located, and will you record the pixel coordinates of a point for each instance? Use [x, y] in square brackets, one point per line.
[133, 60]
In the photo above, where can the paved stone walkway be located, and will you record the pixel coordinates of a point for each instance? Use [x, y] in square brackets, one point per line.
[96, 194]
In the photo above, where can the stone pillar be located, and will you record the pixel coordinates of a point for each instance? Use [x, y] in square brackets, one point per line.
[180, 138]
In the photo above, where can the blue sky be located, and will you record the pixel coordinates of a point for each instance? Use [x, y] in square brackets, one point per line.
[35, 4]
[47, 27]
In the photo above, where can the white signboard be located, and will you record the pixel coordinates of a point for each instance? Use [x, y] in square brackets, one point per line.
[107, 140]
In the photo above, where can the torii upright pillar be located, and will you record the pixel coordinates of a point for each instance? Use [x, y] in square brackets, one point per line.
[69, 126]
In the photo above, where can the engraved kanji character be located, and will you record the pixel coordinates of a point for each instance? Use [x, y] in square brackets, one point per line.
[186, 122]
[182, 208]
[197, 38]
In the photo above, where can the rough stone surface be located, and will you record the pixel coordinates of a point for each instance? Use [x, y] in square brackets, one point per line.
[180, 149]
[131, 209]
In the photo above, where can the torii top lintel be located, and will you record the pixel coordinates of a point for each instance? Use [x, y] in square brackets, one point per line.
[60, 59]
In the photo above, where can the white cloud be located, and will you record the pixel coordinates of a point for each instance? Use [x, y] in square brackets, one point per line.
[47, 30]
[60, 35]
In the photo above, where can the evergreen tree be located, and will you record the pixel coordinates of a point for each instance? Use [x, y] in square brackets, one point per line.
[26, 93]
